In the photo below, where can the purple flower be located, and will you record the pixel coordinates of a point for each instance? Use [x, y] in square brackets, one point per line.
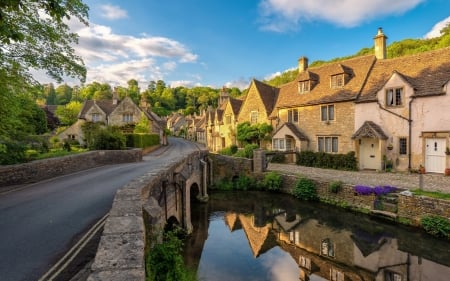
[377, 190]
[363, 190]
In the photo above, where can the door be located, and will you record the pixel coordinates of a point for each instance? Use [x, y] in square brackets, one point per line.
[435, 155]
[369, 154]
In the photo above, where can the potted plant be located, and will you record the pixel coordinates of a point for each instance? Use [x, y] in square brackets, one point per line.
[390, 146]
[447, 172]
[421, 169]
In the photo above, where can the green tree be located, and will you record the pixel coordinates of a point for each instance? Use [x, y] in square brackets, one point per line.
[247, 133]
[143, 126]
[50, 94]
[133, 90]
[63, 94]
[68, 114]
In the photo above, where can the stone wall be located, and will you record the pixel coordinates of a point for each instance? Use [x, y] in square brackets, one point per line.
[415, 207]
[228, 167]
[48, 168]
[135, 218]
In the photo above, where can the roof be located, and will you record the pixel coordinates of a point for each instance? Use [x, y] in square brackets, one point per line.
[294, 129]
[357, 68]
[268, 94]
[369, 130]
[235, 105]
[426, 72]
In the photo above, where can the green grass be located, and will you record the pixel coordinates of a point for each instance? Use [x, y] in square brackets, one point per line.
[433, 194]
[54, 153]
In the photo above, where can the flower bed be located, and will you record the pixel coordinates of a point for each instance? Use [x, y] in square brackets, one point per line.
[377, 190]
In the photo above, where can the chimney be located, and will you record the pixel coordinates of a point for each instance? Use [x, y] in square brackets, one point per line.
[380, 44]
[302, 64]
[115, 96]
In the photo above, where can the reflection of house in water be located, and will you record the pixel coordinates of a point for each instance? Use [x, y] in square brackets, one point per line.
[260, 238]
[231, 220]
[325, 253]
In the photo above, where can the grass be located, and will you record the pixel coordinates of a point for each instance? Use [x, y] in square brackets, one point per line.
[433, 194]
[54, 153]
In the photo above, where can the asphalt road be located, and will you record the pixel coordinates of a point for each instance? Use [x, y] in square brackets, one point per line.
[41, 221]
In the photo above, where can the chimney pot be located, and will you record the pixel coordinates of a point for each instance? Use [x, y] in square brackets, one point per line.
[380, 44]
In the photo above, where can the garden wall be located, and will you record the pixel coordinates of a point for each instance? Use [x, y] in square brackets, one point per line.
[228, 167]
[48, 168]
[415, 207]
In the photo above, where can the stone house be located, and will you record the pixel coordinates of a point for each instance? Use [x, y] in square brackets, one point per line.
[315, 111]
[113, 112]
[402, 115]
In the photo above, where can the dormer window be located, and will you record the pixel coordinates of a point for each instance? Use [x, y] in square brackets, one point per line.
[394, 97]
[337, 81]
[304, 86]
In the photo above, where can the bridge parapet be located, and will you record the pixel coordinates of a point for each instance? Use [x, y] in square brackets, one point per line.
[151, 198]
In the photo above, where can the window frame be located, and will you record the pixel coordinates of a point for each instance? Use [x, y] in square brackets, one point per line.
[396, 95]
[337, 81]
[96, 117]
[127, 117]
[292, 115]
[228, 119]
[304, 86]
[330, 112]
[403, 146]
[254, 117]
[328, 144]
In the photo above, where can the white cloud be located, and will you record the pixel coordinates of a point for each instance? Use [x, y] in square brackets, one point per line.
[284, 15]
[116, 58]
[112, 12]
[436, 30]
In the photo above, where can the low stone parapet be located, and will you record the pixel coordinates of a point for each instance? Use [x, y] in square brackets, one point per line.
[52, 167]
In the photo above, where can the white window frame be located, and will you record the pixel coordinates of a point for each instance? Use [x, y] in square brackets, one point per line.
[337, 81]
[304, 86]
[394, 96]
[328, 144]
[279, 144]
[293, 115]
[127, 117]
[96, 117]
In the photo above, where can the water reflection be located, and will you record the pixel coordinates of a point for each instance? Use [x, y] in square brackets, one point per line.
[259, 236]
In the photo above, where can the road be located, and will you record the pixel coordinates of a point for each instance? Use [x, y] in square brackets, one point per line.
[41, 221]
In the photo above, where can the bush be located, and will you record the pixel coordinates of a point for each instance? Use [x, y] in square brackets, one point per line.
[335, 186]
[233, 148]
[247, 152]
[109, 138]
[436, 225]
[278, 158]
[327, 160]
[142, 140]
[224, 184]
[305, 189]
[12, 153]
[244, 182]
[226, 151]
[272, 181]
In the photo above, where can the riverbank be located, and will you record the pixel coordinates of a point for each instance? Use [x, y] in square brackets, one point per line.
[431, 182]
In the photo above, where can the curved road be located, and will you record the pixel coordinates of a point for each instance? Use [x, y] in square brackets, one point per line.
[41, 221]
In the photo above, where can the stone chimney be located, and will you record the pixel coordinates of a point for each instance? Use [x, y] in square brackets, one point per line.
[302, 64]
[380, 44]
[115, 98]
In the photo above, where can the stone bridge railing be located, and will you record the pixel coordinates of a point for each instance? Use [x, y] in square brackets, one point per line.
[121, 252]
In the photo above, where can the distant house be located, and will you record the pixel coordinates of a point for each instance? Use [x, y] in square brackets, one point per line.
[114, 112]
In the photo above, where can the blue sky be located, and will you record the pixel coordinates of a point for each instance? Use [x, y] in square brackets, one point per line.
[228, 42]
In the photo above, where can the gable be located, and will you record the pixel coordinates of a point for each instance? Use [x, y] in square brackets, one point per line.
[260, 98]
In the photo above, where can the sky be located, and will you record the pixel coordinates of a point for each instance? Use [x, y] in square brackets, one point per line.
[220, 43]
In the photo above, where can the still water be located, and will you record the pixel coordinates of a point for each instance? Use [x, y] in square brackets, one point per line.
[264, 236]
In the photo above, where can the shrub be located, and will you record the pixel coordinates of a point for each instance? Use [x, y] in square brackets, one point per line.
[142, 140]
[247, 152]
[335, 186]
[226, 151]
[233, 148]
[272, 181]
[377, 190]
[278, 158]
[224, 184]
[109, 138]
[165, 261]
[436, 225]
[327, 160]
[12, 152]
[305, 189]
[244, 182]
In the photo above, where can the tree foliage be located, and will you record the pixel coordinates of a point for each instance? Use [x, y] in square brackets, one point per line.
[68, 114]
[247, 133]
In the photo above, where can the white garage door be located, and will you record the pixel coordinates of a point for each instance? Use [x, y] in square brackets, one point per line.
[435, 155]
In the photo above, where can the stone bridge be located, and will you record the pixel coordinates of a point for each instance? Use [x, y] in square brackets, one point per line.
[144, 206]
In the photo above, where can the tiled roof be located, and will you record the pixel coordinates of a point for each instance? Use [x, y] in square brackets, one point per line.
[369, 130]
[106, 106]
[294, 129]
[426, 72]
[357, 68]
[236, 105]
[268, 95]
[307, 75]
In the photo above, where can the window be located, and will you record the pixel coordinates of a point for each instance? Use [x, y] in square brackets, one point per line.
[228, 119]
[327, 248]
[327, 112]
[278, 144]
[96, 117]
[337, 81]
[328, 144]
[254, 117]
[394, 97]
[392, 276]
[403, 146]
[127, 117]
[336, 275]
[304, 262]
[293, 115]
[303, 86]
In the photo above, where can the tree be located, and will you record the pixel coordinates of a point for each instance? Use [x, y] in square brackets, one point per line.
[247, 133]
[34, 34]
[63, 94]
[143, 126]
[68, 114]
[133, 90]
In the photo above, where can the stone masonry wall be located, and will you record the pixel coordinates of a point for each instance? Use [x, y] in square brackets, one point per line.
[48, 168]
[415, 207]
[228, 167]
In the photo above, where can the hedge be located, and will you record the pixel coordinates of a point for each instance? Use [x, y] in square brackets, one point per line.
[142, 140]
[328, 160]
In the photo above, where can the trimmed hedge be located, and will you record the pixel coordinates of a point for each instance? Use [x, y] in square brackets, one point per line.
[142, 140]
[328, 160]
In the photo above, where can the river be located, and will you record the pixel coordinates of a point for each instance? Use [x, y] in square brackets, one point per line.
[269, 236]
